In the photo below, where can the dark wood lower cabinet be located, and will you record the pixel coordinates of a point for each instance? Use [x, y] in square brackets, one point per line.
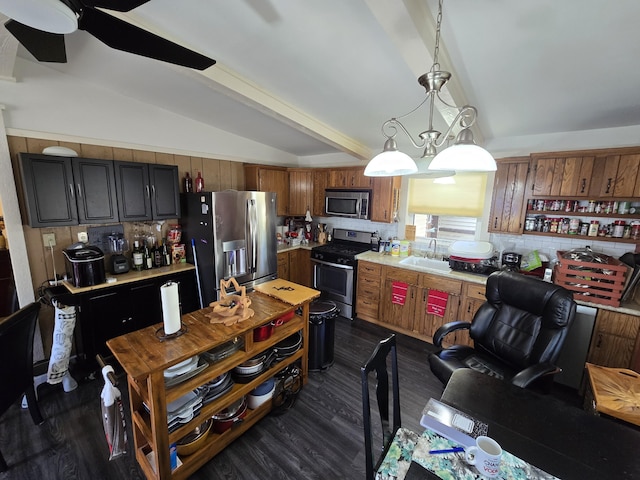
[113, 311]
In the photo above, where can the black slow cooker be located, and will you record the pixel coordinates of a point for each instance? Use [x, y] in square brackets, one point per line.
[85, 265]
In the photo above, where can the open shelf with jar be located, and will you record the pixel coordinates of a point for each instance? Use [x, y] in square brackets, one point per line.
[584, 219]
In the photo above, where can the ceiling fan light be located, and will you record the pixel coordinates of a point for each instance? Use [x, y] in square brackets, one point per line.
[51, 16]
[390, 162]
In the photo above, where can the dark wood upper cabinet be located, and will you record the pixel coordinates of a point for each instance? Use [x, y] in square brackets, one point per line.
[49, 190]
[95, 190]
[147, 191]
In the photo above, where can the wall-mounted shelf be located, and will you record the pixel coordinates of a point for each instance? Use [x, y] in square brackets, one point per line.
[583, 237]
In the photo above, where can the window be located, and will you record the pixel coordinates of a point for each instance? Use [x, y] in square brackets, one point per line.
[447, 212]
[444, 227]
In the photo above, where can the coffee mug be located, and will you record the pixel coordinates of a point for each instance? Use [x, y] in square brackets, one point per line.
[485, 455]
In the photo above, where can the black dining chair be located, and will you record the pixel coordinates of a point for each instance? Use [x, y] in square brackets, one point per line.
[378, 363]
[16, 362]
[518, 333]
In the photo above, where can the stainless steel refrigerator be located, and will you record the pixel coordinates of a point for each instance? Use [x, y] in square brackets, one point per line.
[230, 234]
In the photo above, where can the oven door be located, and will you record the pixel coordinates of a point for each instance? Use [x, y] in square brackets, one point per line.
[336, 283]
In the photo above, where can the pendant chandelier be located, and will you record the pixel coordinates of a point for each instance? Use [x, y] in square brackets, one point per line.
[462, 155]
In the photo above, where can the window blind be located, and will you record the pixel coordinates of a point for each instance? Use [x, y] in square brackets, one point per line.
[464, 198]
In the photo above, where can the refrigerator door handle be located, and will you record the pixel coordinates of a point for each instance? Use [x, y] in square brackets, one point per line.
[253, 221]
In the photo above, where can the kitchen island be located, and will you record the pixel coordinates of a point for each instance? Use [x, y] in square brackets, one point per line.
[145, 357]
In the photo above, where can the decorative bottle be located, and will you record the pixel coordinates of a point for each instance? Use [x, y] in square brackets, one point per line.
[187, 183]
[199, 183]
[137, 255]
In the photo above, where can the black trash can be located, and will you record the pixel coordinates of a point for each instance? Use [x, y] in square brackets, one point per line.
[322, 328]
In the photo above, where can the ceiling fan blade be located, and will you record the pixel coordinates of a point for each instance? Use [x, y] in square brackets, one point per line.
[45, 46]
[124, 36]
[116, 5]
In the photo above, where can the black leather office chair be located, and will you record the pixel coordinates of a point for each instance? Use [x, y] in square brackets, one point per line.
[378, 363]
[16, 362]
[518, 332]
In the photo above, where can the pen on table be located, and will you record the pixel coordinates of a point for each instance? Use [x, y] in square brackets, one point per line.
[447, 450]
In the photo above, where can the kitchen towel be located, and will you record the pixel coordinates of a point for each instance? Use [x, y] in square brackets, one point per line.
[399, 292]
[65, 322]
[437, 303]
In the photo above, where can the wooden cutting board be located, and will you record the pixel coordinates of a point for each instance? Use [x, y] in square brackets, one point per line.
[288, 292]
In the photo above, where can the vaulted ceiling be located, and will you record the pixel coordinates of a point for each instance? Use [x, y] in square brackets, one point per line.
[320, 77]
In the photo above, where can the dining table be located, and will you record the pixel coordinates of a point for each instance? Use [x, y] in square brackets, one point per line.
[542, 437]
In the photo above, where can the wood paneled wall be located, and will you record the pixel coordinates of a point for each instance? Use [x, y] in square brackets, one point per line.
[218, 175]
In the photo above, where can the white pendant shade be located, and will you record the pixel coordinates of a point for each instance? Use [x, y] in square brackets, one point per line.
[51, 16]
[465, 157]
[390, 163]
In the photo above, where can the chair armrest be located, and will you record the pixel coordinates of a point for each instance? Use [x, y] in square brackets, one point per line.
[446, 329]
[530, 374]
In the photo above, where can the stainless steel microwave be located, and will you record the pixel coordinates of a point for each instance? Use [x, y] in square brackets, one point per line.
[347, 203]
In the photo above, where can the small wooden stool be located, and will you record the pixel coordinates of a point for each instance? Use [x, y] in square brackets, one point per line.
[614, 392]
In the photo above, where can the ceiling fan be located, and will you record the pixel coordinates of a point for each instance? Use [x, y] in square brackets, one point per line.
[40, 25]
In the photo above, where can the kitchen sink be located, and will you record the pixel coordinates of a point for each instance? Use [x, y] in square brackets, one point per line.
[426, 263]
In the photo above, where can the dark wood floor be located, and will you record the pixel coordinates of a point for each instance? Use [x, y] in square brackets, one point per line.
[320, 437]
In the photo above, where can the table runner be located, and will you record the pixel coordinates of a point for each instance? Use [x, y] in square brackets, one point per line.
[408, 446]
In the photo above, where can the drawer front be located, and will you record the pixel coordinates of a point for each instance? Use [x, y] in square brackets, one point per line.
[475, 290]
[368, 281]
[402, 275]
[367, 268]
[440, 283]
[366, 307]
[368, 291]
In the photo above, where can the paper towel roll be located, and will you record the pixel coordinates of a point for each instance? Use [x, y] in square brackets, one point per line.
[170, 307]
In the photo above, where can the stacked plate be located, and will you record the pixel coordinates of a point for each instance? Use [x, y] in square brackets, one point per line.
[183, 409]
[184, 370]
[215, 388]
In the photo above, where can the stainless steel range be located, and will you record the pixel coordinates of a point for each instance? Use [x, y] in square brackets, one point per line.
[335, 266]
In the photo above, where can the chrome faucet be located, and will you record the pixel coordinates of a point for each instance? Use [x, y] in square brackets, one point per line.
[433, 242]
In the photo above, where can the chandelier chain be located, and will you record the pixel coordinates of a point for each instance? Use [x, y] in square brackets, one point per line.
[436, 49]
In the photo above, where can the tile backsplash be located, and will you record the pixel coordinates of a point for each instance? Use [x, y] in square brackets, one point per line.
[550, 245]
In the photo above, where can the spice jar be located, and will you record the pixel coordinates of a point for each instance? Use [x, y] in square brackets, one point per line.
[618, 228]
[635, 230]
[584, 228]
[574, 226]
[593, 228]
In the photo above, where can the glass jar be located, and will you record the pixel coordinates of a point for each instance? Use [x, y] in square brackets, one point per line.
[594, 226]
[635, 230]
[564, 226]
[618, 228]
[574, 226]
[554, 225]
[584, 228]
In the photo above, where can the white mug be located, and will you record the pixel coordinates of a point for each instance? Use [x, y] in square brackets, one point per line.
[485, 455]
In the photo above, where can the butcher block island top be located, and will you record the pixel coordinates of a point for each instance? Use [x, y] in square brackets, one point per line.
[144, 356]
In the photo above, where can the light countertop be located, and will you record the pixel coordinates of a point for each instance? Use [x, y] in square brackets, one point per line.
[630, 308]
[132, 276]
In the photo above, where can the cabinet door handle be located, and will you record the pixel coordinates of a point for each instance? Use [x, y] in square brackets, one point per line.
[599, 342]
[126, 320]
[146, 187]
[495, 223]
[584, 185]
[73, 195]
[153, 191]
[79, 190]
[608, 185]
